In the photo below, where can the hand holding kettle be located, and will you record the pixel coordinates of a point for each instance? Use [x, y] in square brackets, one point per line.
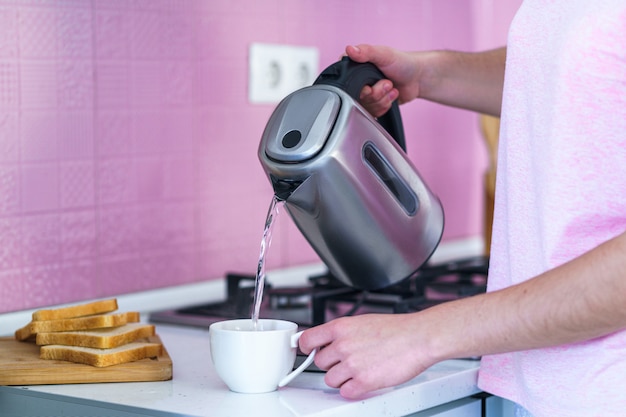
[428, 75]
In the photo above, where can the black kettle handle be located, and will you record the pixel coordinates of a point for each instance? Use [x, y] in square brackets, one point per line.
[351, 77]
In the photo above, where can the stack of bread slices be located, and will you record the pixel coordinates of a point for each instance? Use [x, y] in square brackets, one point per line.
[92, 333]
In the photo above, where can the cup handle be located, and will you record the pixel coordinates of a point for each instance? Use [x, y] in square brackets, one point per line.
[303, 365]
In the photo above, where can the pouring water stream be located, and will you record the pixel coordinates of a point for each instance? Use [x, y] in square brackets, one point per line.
[266, 241]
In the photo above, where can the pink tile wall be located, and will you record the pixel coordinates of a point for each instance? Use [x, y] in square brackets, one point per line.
[128, 148]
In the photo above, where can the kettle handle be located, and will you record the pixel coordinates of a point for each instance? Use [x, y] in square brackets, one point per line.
[351, 77]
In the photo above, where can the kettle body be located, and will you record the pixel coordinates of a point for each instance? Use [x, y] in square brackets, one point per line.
[350, 187]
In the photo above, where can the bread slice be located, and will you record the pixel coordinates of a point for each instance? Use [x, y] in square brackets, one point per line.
[81, 310]
[80, 323]
[102, 357]
[104, 338]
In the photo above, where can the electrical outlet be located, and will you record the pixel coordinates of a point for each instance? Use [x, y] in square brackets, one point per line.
[275, 71]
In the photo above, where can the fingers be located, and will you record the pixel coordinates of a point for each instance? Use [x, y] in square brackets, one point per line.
[356, 54]
[315, 337]
[364, 353]
[352, 381]
[378, 92]
[344, 370]
[378, 55]
[378, 98]
[340, 371]
[352, 390]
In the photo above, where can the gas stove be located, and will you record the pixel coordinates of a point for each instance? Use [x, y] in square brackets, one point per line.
[324, 298]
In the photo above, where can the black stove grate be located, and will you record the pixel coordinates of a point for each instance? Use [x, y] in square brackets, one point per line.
[325, 298]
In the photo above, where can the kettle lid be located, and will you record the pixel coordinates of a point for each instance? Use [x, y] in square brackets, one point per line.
[301, 124]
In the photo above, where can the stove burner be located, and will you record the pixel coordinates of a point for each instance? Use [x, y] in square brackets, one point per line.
[289, 297]
[326, 298]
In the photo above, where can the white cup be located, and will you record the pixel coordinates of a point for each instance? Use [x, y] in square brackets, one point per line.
[254, 361]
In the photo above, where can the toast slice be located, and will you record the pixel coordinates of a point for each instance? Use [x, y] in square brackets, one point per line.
[81, 310]
[104, 338]
[29, 331]
[102, 357]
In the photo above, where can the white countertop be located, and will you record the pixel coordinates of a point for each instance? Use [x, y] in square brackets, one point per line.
[196, 390]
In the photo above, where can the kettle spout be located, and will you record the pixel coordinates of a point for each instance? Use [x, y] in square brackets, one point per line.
[283, 188]
[305, 199]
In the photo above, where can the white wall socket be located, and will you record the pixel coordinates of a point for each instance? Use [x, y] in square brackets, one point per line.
[277, 70]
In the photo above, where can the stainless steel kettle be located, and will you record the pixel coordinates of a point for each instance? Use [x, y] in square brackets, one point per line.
[347, 182]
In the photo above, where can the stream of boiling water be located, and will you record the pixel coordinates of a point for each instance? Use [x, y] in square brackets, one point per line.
[266, 241]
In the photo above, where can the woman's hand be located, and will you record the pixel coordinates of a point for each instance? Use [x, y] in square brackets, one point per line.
[400, 69]
[367, 352]
[466, 80]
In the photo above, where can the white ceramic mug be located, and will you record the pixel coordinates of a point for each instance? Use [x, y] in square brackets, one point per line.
[257, 360]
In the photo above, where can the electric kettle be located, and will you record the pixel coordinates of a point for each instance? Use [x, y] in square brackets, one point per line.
[347, 182]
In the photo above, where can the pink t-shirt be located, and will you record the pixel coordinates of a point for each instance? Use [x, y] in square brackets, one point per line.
[561, 190]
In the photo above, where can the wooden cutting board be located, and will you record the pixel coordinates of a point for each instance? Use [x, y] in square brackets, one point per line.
[20, 365]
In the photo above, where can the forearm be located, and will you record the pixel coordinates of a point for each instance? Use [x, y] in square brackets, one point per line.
[577, 301]
[472, 81]
[580, 300]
